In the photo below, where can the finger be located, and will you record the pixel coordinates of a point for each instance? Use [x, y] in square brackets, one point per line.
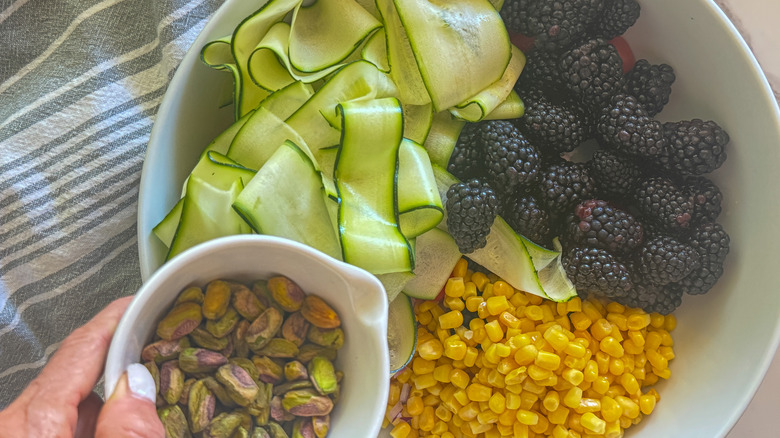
[89, 409]
[77, 365]
[130, 411]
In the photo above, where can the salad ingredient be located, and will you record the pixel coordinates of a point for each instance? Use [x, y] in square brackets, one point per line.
[593, 71]
[271, 384]
[658, 299]
[511, 162]
[596, 271]
[467, 156]
[695, 147]
[707, 198]
[472, 207]
[563, 185]
[554, 24]
[401, 332]
[616, 175]
[525, 365]
[664, 260]
[598, 224]
[524, 214]
[435, 256]
[664, 204]
[651, 85]
[625, 126]
[615, 18]
[550, 125]
[711, 242]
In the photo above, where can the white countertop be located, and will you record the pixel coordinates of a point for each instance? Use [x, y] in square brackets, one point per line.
[758, 22]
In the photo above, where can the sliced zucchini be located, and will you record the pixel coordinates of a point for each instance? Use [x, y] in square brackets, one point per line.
[401, 332]
[436, 254]
[221, 142]
[417, 121]
[166, 229]
[511, 108]
[419, 203]
[260, 137]
[442, 138]
[461, 47]
[286, 101]
[365, 176]
[375, 50]
[327, 32]
[285, 199]
[394, 283]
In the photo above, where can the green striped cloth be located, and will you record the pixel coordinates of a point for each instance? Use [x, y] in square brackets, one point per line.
[80, 83]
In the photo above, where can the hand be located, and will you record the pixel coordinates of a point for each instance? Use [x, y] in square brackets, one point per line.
[60, 402]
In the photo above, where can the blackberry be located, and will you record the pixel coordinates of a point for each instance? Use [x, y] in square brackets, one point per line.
[467, 158]
[664, 204]
[626, 126]
[472, 207]
[510, 160]
[711, 242]
[650, 298]
[550, 126]
[616, 17]
[596, 271]
[664, 259]
[565, 184]
[615, 175]
[542, 69]
[707, 198]
[593, 71]
[693, 147]
[513, 13]
[527, 217]
[558, 24]
[597, 224]
[651, 85]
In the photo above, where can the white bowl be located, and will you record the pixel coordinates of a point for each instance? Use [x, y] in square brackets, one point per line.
[725, 340]
[356, 295]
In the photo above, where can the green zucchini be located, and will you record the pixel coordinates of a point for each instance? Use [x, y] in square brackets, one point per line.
[365, 176]
[511, 108]
[419, 203]
[401, 332]
[441, 140]
[260, 137]
[436, 254]
[166, 229]
[286, 199]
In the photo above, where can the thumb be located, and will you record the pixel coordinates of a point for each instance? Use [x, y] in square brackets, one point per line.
[131, 411]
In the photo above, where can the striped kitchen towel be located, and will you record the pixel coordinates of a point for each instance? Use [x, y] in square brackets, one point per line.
[80, 83]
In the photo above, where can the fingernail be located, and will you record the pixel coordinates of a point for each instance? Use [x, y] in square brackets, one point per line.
[141, 382]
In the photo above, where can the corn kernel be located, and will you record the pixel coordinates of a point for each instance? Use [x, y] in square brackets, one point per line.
[575, 377]
[424, 381]
[478, 392]
[601, 385]
[557, 338]
[611, 346]
[657, 360]
[629, 383]
[471, 290]
[616, 366]
[630, 409]
[401, 430]
[589, 308]
[615, 307]
[480, 280]
[451, 319]
[455, 349]
[472, 304]
[667, 352]
[580, 320]
[442, 373]
[534, 313]
[430, 349]
[455, 287]
[414, 405]
[575, 349]
[469, 411]
[611, 410]
[574, 305]
[487, 417]
[470, 358]
[422, 366]
[459, 378]
[653, 341]
[520, 430]
[646, 403]
[497, 403]
[548, 361]
[618, 320]
[541, 426]
[482, 310]
[638, 321]
[454, 303]
[593, 423]
[560, 432]
[527, 417]
[573, 397]
[664, 374]
[497, 304]
[657, 320]
[509, 320]
[494, 331]
[526, 355]
[670, 322]
[613, 430]
[496, 379]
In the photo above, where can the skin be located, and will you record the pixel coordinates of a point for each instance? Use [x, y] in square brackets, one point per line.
[60, 402]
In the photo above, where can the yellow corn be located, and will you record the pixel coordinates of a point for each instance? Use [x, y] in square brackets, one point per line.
[527, 417]
[573, 397]
[534, 313]
[670, 322]
[575, 377]
[526, 355]
[611, 410]
[478, 392]
[480, 280]
[401, 430]
[548, 361]
[451, 319]
[455, 349]
[472, 304]
[509, 320]
[580, 320]
[657, 320]
[601, 385]
[454, 303]
[414, 405]
[455, 287]
[629, 383]
[630, 408]
[638, 321]
[593, 423]
[611, 346]
[470, 358]
[616, 366]
[494, 331]
[647, 403]
[430, 349]
[497, 304]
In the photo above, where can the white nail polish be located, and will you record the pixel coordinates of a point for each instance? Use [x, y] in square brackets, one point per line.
[140, 381]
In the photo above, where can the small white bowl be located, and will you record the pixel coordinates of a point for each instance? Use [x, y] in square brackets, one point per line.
[356, 295]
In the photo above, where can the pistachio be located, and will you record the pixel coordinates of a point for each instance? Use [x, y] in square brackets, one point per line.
[180, 321]
[201, 404]
[268, 370]
[223, 326]
[276, 430]
[277, 411]
[246, 418]
[219, 391]
[241, 432]
[240, 346]
[319, 313]
[294, 328]
[246, 303]
[260, 289]
[174, 422]
[171, 381]
[302, 428]
[155, 372]
[228, 350]
[238, 383]
[286, 293]
[216, 300]
[263, 328]
[289, 386]
[330, 338]
[247, 365]
[261, 406]
[203, 338]
[306, 403]
[259, 432]
[222, 426]
[323, 375]
[321, 425]
[279, 347]
[185, 391]
[163, 350]
[192, 294]
[295, 370]
[199, 360]
[308, 351]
